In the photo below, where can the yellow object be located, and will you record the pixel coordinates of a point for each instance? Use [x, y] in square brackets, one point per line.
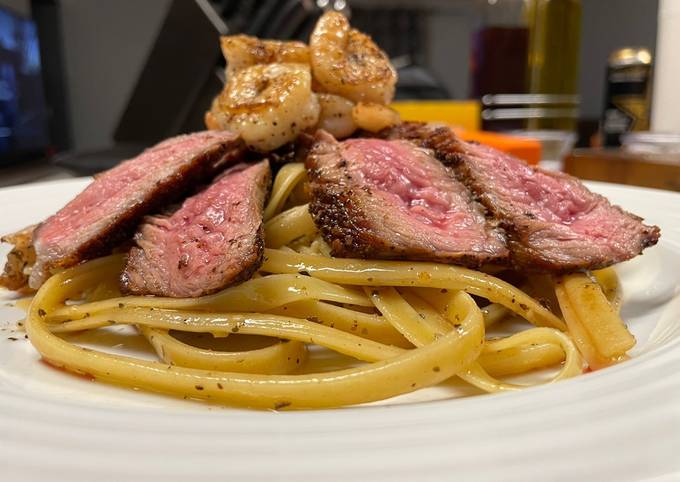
[593, 323]
[605, 328]
[461, 113]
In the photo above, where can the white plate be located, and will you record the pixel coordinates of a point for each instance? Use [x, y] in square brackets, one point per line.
[622, 423]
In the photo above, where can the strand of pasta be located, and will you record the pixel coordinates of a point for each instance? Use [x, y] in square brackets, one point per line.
[440, 299]
[237, 299]
[289, 176]
[519, 359]
[221, 324]
[572, 366]
[494, 313]
[370, 326]
[399, 273]
[421, 331]
[606, 328]
[609, 282]
[403, 316]
[479, 377]
[105, 289]
[258, 294]
[288, 226]
[405, 372]
[281, 357]
[577, 319]
[418, 331]
[432, 318]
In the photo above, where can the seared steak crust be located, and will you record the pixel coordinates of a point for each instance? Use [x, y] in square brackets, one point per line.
[108, 210]
[554, 223]
[361, 217]
[215, 239]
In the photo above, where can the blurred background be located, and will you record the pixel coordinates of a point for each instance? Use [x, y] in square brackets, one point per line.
[587, 86]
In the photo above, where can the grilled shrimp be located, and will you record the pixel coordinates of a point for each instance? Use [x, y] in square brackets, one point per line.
[269, 105]
[374, 117]
[336, 115]
[347, 62]
[241, 51]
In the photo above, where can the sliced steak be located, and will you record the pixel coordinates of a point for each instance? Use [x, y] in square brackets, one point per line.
[108, 210]
[19, 260]
[373, 198]
[553, 222]
[214, 240]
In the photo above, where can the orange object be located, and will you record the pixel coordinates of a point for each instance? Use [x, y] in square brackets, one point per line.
[526, 149]
[464, 117]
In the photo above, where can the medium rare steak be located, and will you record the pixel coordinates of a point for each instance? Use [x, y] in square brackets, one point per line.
[390, 199]
[214, 240]
[553, 222]
[108, 210]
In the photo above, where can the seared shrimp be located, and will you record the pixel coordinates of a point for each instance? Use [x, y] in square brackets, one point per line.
[336, 115]
[241, 51]
[347, 62]
[374, 117]
[269, 105]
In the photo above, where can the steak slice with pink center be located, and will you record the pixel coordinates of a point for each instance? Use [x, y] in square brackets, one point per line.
[215, 239]
[373, 198]
[108, 211]
[553, 222]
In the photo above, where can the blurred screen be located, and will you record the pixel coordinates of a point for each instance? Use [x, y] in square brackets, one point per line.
[23, 113]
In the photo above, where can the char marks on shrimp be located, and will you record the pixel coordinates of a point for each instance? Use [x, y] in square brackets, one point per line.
[277, 90]
[269, 105]
[242, 51]
[347, 62]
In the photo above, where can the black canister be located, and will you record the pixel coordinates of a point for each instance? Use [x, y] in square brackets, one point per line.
[627, 100]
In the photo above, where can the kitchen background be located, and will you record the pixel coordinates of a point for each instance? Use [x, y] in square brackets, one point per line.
[94, 52]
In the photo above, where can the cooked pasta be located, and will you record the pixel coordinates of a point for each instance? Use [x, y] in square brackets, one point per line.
[397, 326]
